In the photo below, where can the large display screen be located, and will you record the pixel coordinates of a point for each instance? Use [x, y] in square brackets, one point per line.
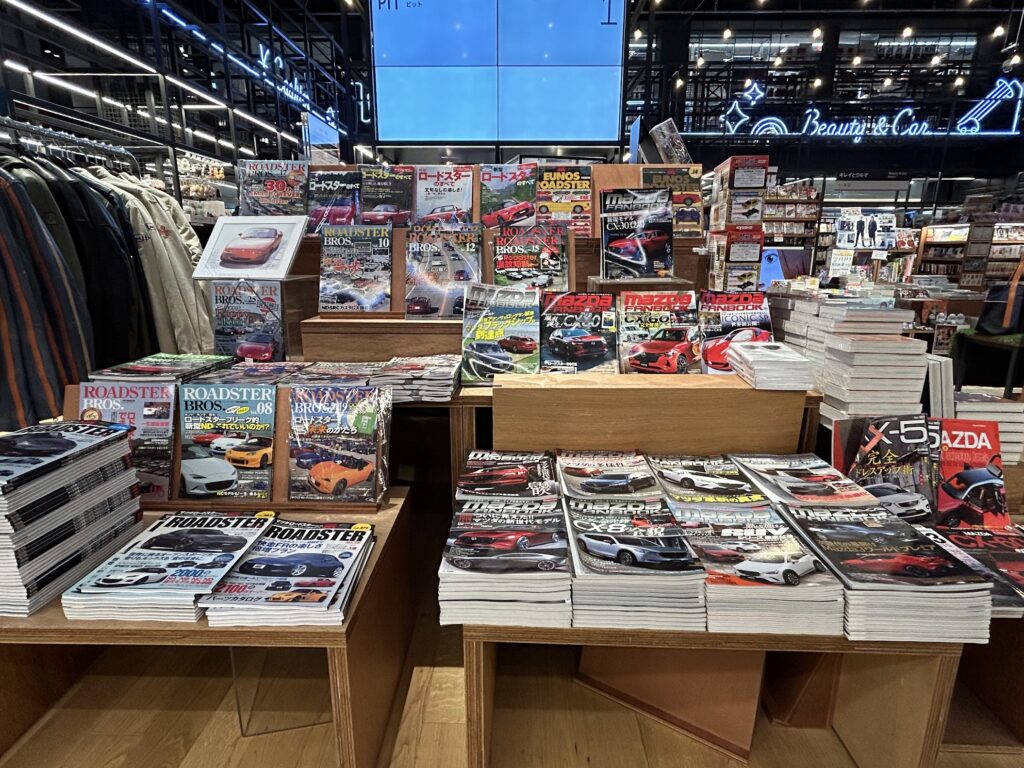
[498, 70]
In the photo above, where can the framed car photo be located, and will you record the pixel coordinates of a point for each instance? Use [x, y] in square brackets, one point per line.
[251, 247]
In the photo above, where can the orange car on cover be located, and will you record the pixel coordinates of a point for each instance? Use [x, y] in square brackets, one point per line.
[334, 477]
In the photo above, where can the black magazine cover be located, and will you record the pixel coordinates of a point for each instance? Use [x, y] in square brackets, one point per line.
[894, 465]
[534, 257]
[44, 448]
[272, 187]
[636, 233]
[385, 195]
[996, 554]
[728, 317]
[577, 332]
[333, 199]
[616, 543]
[355, 268]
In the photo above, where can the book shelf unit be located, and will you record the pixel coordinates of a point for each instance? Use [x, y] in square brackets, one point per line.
[800, 214]
[1007, 252]
[941, 250]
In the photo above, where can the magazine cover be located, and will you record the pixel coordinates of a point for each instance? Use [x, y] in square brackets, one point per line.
[970, 487]
[507, 195]
[615, 543]
[801, 480]
[564, 194]
[45, 448]
[728, 317]
[658, 332]
[227, 440]
[440, 260]
[185, 553]
[335, 374]
[272, 187]
[507, 475]
[872, 549]
[577, 333]
[149, 410]
[636, 233]
[996, 553]
[507, 541]
[336, 443]
[248, 319]
[606, 474]
[162, 366]
[500, 333]
[251, 248]
[444, 194]
[250, 373]
[355, 268]
[700, 481]
[687, 204]
[294, 564]
[333, 199]
[894, 464]
[669, 143]
[534, 257]
[385, 195]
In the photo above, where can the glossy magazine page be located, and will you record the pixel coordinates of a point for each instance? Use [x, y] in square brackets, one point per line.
[605, 475]
[577, 333]
[712, 481]
[507, 475]
[801, 480]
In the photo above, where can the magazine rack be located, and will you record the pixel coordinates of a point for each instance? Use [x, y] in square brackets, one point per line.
[42, 656]
[890, 702]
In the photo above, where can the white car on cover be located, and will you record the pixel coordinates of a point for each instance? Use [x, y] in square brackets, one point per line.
[740, 546]
[779, 568]
[203, 474]
[699, 481]
[909, 505]
[227, 441]
[133, 577]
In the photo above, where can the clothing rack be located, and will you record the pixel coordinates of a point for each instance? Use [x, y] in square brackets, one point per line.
[57, 140]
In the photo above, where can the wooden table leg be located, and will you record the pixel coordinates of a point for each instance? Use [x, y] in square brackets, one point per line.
[891, 710]
[480, 661]
[463, 436]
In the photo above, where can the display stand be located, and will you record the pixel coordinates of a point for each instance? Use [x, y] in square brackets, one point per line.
[365, 654]
[597, 284]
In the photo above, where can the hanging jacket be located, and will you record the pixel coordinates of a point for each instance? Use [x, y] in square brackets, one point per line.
[181, 222]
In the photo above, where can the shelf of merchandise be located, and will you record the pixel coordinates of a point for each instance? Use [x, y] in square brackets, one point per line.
[366, 653]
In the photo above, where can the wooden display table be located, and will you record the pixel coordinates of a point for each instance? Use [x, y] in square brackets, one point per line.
[365, 654]
[371, 339]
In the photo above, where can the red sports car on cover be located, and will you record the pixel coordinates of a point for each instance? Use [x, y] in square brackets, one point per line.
[315, 583]
[912, 565]
[650, 241]
[208, 437]
[508, 212]
[446, 213]
[384, 213]
[506, 540]
[419, 305]
[261, 347]
[714, 349]
[670, 350]
[718, 554]
[341, 211]
[518, 344]
[254, 246]
[488, 478]
[581, 471]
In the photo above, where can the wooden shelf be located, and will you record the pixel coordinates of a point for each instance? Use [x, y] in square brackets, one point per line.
[371, 339]
[790, 218]
[974, 728]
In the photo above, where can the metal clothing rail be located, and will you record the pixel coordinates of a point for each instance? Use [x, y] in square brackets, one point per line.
[58, 140]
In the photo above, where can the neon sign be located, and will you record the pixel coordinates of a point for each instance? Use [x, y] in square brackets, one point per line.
[1002, 103]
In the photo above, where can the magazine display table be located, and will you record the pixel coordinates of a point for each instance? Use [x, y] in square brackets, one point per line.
[365, 654]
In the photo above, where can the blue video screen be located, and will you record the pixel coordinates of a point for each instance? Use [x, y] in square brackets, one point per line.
[498, 70]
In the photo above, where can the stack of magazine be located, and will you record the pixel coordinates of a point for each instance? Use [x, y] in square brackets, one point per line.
[632, 566]
[161, 572]
[297, 573]
[770, 365]
[251, 373]
[428, 379]
[162, 367]
[981, 405]
[506, 558]
[68, 496]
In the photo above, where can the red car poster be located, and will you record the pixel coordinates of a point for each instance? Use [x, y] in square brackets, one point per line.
[728, 317]
[385, 194]
[444, 194]
[564, 196]
[971, 492]
[508, 194]
[333, 199]
[687, 203]
[636, 233]
[577, 332]
[272, 187]
[658, 332]
[531, 257]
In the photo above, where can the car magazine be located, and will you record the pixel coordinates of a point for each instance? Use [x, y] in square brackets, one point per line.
[149, 410]
[440, 260]
[801, 480]
[872, 549]
[386, 194]
[687, 204]
[335, 374]
[658, 332]
[507, 476]
[162, 366]
[507, 195]
[251, 248]
[45, 448]
[705, 481]
[507, 540]
[970, 488]
[531, 257]
[248, 319]
[577, 333]
[564, 194]
[251, 373]
[333, 199]
[227, 440]
[444, 194]
[338, 444]
[355, 268]
[728, 317]
[894, 464]
[636, 233]
[500, 333]
[618, 543]
[292, 565]
[606, 475]
[669, 143]
[272, 187]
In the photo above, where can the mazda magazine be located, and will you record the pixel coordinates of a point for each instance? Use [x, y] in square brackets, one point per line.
[500, 333]
[658, 332]
[577, 332]
[636, 233]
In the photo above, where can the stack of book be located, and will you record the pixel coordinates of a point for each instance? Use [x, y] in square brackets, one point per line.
[429, 379]
[297, 573]
[68, 496]
[978, 404]
[160, 574]
[940, 388]
[163, 367]
[250, 373]
[770, 366]
[791, 317]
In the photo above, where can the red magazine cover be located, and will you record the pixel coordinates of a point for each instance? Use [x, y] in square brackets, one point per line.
[971, 492]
